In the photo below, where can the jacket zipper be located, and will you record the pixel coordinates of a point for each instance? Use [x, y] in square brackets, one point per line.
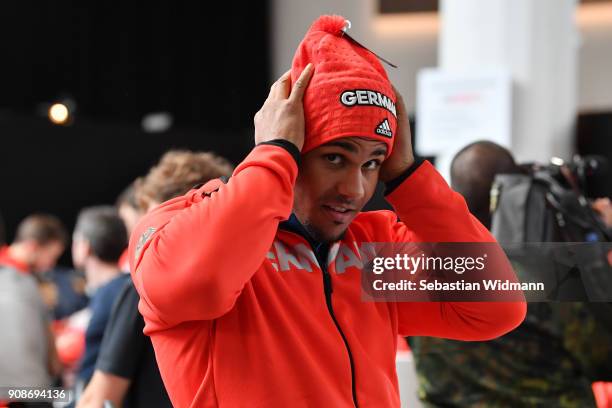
[328, 289]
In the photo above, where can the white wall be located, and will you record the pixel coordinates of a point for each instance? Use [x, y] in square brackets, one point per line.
[537, 42]
[410, 41]
[595, 58]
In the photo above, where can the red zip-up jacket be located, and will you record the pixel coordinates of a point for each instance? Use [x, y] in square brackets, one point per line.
[242, 315]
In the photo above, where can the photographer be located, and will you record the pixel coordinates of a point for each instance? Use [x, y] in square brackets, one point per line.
[550, 360]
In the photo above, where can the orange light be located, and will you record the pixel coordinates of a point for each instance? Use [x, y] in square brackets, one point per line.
[59, 113]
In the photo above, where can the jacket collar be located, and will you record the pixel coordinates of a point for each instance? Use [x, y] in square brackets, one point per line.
[292, 224]
[7, 260]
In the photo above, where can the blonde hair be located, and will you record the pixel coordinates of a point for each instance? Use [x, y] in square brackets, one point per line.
[177, 172]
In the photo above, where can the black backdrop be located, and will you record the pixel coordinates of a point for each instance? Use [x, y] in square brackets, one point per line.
[118, 61]
[207, 65]
[594, 137]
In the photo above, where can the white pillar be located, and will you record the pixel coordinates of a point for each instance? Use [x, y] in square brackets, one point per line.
[537, 41]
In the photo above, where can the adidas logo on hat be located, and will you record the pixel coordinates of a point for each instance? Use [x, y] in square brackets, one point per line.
[384, 129]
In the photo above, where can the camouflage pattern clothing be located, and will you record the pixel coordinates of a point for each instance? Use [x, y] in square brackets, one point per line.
[549, 361]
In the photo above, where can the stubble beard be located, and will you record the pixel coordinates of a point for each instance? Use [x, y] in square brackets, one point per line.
[320, 236]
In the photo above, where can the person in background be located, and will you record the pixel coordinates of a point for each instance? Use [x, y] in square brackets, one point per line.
[603, 207]
[98, 240]
[550, 360]
[127, 206]
[601, 389]
[27, 350]
[126, 371]
[69, 291]
[473, 170]
[130, 213]
[38, 244]
[176, 172]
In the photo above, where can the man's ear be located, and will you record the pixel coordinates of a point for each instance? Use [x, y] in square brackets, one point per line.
[81, 246]
[87, 248]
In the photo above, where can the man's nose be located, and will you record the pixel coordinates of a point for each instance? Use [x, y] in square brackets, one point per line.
[351, 185]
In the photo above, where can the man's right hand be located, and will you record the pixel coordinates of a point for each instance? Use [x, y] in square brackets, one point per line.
[282, 114]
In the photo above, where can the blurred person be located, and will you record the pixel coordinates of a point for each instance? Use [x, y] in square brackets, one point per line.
[69, 286]
[473, 170]
[38, 244]
[603, 207]
[234, 281]
[98, 240]
[37, 259]
[128, 208]
[126, 371]
[177, 172]
[27, 351]
[70, 316]
[130, 212]
[550, 360]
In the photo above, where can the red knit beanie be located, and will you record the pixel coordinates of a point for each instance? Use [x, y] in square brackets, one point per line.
[349, 93]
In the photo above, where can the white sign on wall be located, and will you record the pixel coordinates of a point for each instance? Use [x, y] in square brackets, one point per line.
[454, 109]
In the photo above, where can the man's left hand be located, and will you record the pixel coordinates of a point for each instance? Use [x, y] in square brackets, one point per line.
[401, 157]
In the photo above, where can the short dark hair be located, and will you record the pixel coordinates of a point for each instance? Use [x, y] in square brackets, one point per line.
[41, 228]
[473, 170]
[104, 230]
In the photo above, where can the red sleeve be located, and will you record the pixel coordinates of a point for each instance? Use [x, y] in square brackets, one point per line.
[192, 255]
[431, 212]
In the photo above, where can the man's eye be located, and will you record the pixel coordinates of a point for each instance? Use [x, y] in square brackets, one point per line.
[372, 164]
[333, 158]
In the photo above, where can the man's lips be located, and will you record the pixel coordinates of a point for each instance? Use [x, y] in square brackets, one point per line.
[339, 213]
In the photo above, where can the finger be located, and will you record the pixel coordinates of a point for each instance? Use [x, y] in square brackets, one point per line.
[297, 92]
[280, 89]
[401, 107]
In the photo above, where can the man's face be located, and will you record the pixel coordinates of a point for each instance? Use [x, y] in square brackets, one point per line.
[130, 217]
[46, 256]
[334, 182]
[80, 251]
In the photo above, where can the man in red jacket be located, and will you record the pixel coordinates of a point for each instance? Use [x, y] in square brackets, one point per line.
[251, 290]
